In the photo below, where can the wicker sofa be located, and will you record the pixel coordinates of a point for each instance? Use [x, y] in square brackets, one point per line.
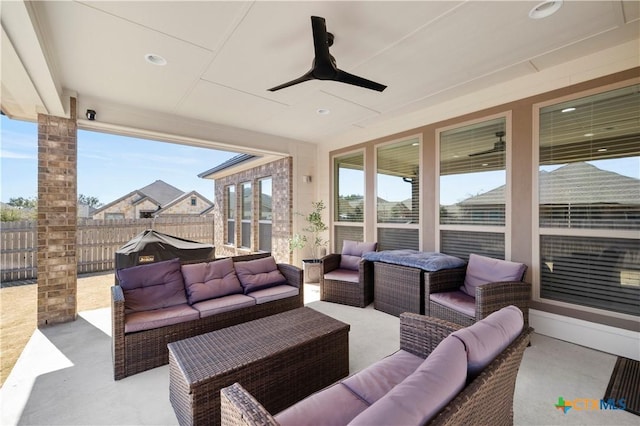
[150, 310]
[442, 374]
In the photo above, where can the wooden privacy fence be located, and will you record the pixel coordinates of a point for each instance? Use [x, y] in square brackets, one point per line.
[97, 241]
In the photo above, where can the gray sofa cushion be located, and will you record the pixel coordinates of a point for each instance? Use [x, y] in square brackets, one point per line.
[258, 274]
[375, 381]
[424, 393]
[485, 339]
[336, 405]
[352, 252]
[223, 304]
[208, 280]
[483, 270]
[152, 286]
[148, 320]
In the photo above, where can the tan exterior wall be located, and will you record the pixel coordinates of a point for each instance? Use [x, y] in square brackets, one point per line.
[185, 207]
[521, 190]
[57, 218]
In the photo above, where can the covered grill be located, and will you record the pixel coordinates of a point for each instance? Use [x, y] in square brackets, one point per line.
[152, 246]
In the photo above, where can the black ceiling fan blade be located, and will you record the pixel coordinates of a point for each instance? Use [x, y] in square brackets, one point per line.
[490, 151]
[308, 76]
[320, 42]
[345, 77]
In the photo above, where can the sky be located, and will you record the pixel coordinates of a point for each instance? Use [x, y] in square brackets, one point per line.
[109, 166]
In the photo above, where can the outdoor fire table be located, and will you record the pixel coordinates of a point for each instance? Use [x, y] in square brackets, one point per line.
[400, 276]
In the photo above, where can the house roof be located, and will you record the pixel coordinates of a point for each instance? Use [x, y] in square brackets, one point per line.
[229, 164]
[574, 183]
[223, 56]
[161, 192]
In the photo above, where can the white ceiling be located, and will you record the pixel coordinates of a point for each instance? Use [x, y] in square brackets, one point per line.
[223, 56]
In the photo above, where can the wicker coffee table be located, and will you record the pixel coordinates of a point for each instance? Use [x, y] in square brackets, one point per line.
[280, 359]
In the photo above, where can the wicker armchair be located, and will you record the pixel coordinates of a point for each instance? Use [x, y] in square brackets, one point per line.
[488, 285]
[346, 278]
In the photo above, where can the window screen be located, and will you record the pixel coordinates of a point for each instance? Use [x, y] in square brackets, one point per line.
[589, 182]
[472, 187]
[398, 195]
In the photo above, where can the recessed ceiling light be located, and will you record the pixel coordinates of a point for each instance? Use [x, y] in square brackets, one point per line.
[589, 134]
[415, 144]
[154, 59]
[485, 164]
[568, 109]
[323, 111]
[544, 9]
[602, 150]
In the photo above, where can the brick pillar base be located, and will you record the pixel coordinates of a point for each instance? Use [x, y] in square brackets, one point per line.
[57, 218]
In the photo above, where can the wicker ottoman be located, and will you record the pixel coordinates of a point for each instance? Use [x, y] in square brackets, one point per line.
[280, 359]
[399, 288]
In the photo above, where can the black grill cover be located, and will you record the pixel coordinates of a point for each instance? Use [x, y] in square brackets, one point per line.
[152, 246]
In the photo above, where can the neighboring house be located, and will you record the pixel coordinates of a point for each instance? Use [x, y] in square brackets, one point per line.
[85, 210]
[156, 199]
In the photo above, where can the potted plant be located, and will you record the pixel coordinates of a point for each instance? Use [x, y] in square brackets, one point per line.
[312, 235]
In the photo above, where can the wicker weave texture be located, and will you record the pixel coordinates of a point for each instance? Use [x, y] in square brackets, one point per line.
[280, 359]
[398, 288]
[487, 400]
[140, 351]
[489, 297]
[358, 294]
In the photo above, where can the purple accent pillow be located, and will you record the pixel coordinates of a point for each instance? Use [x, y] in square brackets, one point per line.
[258, 274]
[482, 270]
[485, 339]
[419, 397]
[205, 281]
[152, 286]
[352, 252]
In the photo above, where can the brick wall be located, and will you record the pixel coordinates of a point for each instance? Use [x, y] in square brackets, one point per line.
[280, 171]
[57, 218]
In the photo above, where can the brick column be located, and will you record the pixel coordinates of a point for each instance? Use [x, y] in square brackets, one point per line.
[57, 218]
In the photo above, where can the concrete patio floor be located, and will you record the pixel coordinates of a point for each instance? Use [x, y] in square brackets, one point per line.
[65, 375]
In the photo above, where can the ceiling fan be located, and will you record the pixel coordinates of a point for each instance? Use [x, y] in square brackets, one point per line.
[498, 146]
[324, 65]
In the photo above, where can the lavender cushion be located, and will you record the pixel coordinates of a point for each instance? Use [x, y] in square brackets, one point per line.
[483, 270]
[425, 392]
[228, 303]
[485, 339]
[332, 406]
[378, 379]
[456, 300]
[258, 274]
[210, 280]
[352, 252]
[348, 275]
[148, 320]
[274, 293]
[152, 286]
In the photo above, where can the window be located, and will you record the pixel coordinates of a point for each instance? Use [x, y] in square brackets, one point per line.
[265, 211]
[472, 189]
[113, 216]
[146, 214]
[348, 198]
[589, 201]
[246, 212]
[398, 195]
[231, 214]
[194, 201]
